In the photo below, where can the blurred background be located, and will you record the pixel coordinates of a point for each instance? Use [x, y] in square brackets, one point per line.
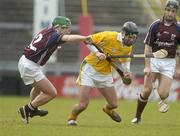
[21, 19]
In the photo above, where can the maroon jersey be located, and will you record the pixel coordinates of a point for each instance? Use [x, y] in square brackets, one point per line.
[43, 45]
[165, 37]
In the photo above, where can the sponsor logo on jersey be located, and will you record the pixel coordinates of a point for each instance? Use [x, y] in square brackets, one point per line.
[173, 36]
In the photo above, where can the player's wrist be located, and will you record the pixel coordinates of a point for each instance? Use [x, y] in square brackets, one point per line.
[97, 53]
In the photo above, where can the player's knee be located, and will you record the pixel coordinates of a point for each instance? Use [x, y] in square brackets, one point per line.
[53, 93]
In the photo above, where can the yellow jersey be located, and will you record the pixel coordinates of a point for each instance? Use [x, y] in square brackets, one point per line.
[111, 44]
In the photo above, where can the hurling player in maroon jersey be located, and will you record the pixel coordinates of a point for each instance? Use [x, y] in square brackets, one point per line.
[163, 34]
[35, 55]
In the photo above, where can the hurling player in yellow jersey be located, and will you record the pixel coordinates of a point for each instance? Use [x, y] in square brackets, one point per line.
[96, 71]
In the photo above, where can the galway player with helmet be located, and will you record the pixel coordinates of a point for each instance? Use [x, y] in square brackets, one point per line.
[36, 55]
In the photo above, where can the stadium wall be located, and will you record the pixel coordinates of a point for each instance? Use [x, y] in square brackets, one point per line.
[66, 87]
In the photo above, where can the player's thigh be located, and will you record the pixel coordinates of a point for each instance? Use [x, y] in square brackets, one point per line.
[45, 86]
[164, 84]
[85, 76]
[110, 94]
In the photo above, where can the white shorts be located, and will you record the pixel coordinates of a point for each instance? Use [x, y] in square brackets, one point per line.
[90, 77]
[29, 71]
[164, 66]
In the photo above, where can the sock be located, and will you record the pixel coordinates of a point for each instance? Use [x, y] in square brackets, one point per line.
[72, 117]
[141, 105]
[75, 112]
[109, 111]
[29, 107]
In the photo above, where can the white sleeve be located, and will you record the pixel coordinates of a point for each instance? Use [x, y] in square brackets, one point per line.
[92, 48]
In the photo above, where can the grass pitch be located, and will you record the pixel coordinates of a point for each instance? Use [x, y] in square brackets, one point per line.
[92, 122]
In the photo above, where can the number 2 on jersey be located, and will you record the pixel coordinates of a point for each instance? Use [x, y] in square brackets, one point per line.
[36, 39]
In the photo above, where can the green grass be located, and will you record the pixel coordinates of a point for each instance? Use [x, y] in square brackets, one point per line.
[92, 122]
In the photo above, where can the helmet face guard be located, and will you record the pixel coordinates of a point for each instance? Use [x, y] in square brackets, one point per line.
[130, 31]
[129, 39]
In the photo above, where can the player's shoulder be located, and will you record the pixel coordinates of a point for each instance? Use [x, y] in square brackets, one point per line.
[105, 34]
[47, 30]
[109, 34]
[155, 23]
[178, 25]
[112, 32]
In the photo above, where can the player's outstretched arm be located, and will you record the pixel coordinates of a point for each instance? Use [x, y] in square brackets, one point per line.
[73, 38]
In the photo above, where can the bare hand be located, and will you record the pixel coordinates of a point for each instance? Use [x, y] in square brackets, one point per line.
[127, 74]
[101, 56]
